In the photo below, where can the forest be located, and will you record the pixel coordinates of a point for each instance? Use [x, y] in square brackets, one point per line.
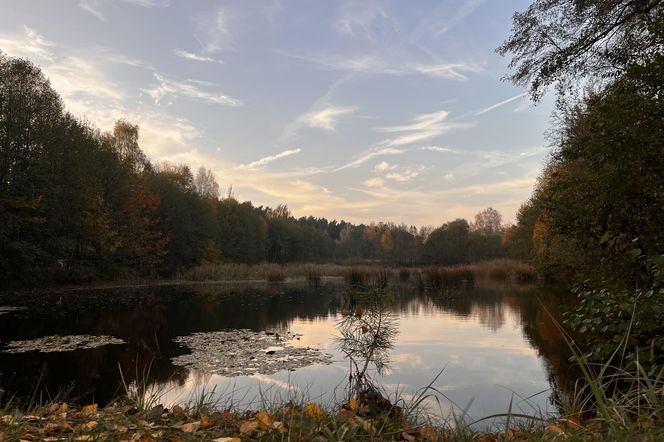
[132, 218]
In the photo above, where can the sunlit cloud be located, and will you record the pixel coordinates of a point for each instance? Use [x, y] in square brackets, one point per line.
[422, 127]
[441, 149]
[269, 159]
[189, 89]
[405, 174]
[195, 57]
[370, 154]
[326, 119]
[374, 182]
[501, 103]
[29, 45]
[384, 166]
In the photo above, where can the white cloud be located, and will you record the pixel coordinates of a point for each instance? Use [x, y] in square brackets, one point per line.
[502, 103]
[372, 153]
[374, 182]
[29, 45]
[450, 71]
[172, 88]
[195, 57]
[441, 149]
[405, 174]
[326, 118]
[267, 160]
[373, 65]
[213, 31]
[421, 128]
[384, 166]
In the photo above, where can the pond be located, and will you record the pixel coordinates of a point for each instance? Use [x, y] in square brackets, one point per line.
[480, 346]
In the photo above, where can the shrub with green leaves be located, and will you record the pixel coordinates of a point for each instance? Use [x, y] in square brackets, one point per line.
[631, 321]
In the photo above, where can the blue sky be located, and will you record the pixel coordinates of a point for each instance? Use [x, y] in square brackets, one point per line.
[357, 110]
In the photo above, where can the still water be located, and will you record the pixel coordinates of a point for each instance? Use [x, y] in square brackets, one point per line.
[493, 344]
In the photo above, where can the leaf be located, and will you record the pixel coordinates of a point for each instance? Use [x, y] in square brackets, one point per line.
[249, 428]
[227, 439]
[264, 420]
[313, 411]
[89, 410]
[407, 437]
[190, 427]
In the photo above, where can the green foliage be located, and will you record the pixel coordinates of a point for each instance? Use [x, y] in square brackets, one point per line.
[605, 320]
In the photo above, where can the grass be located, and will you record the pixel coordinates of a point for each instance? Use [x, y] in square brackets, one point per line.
[597, 410]
[363, 276]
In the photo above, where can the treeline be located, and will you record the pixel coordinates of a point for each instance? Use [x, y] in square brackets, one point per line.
[598, 209]
[78, 204]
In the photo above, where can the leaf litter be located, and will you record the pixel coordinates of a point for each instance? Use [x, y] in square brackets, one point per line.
[244, 352]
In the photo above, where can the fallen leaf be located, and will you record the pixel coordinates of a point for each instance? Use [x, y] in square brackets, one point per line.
[313, 411]
[191, 427]
[227, 439]
[249, 428]
[555, 429]
[487, 438]
[89, 410]
[91, 425]
[83, 438]
[407, 437]
[264, 420]
[428, 433]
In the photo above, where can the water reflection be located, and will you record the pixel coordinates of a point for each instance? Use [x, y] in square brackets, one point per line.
[491, 340]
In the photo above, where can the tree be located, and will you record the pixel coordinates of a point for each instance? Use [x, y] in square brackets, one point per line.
[205, 184]
[563, 41]
[488, 222]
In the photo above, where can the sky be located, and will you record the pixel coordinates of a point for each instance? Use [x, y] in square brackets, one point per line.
[365, 111]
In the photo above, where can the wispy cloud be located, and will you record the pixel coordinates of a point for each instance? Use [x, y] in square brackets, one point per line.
[421, 128]
[374, 182]
[374, 65]
[441, 149]
[327, 117]
[195, 57]
[466, 8]
[394, 172]
[267, 160]
[94, 7]
[29, 45]
[213, 31]
[384, 166]
[190, 89]
[368, 155]
[502, 103]
[364, 18]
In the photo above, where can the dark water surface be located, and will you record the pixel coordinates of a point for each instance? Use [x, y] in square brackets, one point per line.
[492, 343]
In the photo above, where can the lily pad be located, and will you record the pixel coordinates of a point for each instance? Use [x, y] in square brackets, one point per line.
[4, 309]
[55, 343]
[245, 352]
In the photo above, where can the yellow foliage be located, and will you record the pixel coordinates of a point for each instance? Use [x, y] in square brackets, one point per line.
[313, 411]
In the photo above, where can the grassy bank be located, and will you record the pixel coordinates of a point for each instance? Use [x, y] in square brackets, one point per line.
[375, 274]
[592, 414]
